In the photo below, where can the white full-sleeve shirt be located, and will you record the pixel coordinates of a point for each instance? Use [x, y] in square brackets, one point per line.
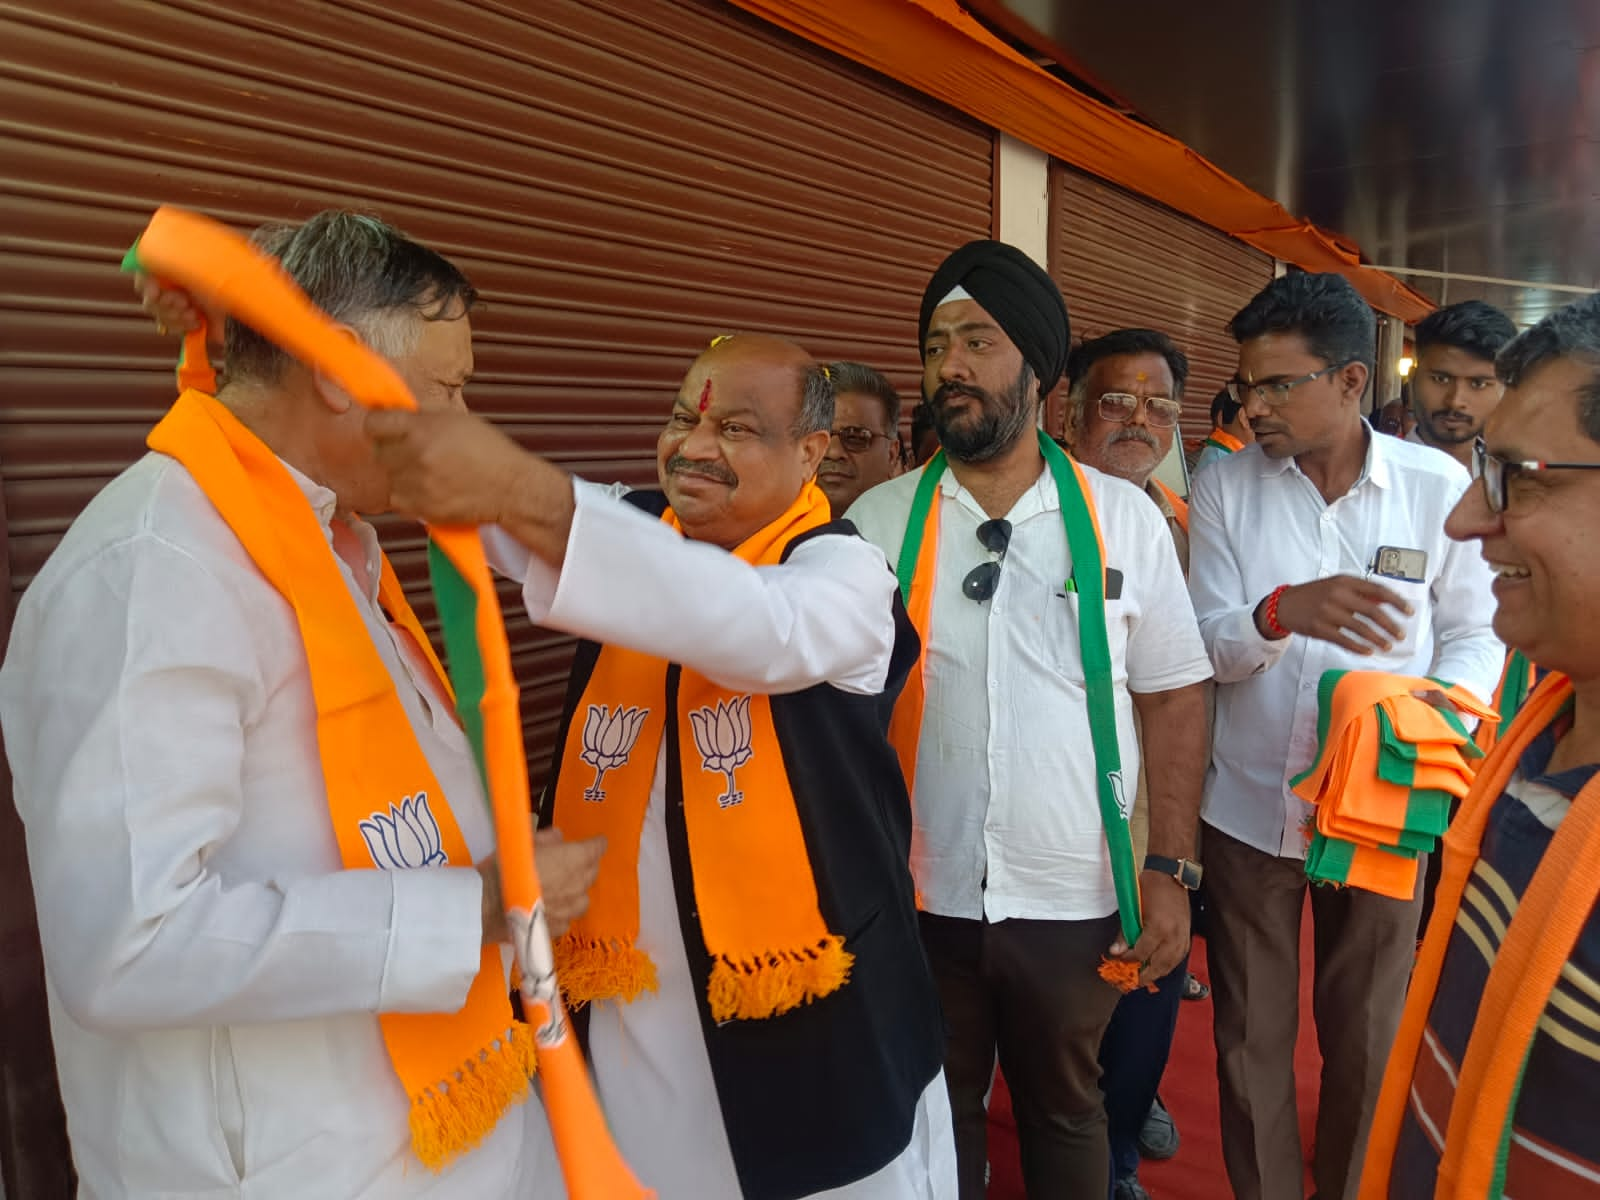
[1256, 523]
[214, 974]
[1006, 817]
[822, 616]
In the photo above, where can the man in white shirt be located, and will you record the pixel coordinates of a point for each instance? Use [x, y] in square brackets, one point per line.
[741, 654]
[1010, 848]
[1285, 541]
[218, 974]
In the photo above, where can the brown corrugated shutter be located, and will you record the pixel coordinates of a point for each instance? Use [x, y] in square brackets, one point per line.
[623, 179]
[1122, 260]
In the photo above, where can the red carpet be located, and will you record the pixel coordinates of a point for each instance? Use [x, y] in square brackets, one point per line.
[1190, 1093]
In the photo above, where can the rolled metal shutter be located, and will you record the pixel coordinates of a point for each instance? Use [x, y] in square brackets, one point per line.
[1122, 260]
[623, 179]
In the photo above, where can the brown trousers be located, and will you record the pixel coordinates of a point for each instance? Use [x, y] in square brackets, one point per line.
[1029, 991]
[1364, 947]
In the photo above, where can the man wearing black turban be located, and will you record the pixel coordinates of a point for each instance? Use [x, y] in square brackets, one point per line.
[1010, 849]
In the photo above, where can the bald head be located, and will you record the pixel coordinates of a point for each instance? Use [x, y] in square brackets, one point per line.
[776, 363]
[749, 426]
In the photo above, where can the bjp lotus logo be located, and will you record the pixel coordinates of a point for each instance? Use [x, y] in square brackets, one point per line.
[722, 735]
[608, 739]
[406, 836]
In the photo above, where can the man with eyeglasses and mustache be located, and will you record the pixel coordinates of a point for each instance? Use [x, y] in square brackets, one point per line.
[1051, 608]
[865, 447]
[1320, 548]
[1125, 395]
[758, 1007]
[1454, 388]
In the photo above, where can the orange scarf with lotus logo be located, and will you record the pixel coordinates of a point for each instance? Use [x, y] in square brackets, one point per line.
[461, 1069]
[754, 888]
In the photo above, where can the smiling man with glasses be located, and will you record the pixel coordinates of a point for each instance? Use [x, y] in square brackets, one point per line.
[1494, 1073]
[1017, 732]
[1321, 548]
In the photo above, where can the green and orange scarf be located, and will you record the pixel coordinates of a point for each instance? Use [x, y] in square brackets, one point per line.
[1389, 767]
[916, 569]
[462, 1069]
[1549, 919]
[1223, 440]
[754, 886]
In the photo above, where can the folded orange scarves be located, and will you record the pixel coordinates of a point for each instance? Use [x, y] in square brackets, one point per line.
[1389, 766]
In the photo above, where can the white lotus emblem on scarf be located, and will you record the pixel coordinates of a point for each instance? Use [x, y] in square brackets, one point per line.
[608, 738]
[404, 837]
[1117, 790]
[722, 735]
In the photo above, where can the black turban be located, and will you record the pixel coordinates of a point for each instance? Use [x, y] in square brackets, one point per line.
[1017, 293]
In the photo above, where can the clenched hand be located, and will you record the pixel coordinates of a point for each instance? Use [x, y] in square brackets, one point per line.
[1165, 917]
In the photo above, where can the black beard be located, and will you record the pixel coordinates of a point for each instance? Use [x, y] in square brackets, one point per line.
[1003, 419]
[1445, 437]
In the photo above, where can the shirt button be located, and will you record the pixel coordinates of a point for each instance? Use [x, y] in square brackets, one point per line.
[1327, 515]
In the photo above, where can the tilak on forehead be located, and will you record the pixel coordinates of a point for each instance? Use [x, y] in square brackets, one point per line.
[705, 396]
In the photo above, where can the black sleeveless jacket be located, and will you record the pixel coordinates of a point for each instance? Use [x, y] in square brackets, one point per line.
[825, 1094]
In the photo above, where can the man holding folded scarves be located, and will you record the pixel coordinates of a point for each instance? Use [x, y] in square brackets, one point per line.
[1321, 548]
[1051, 607]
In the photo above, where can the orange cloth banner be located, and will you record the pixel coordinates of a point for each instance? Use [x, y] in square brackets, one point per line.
[935, 47]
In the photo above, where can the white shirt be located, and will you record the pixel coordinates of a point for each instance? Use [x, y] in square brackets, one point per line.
[213, 971]
[823, 616]
[1006, 819]
[1256, 523]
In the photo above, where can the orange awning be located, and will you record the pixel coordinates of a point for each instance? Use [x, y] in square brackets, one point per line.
[938, 49]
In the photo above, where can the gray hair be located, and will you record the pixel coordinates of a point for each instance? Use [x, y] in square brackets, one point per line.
[1572, 331]
[360, 271]
[864, 380]
[816, 402]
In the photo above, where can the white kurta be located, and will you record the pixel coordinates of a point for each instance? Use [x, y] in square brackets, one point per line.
[824, 616]
[213, 971]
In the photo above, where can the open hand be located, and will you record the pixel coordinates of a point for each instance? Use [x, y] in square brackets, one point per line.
[1343, 609]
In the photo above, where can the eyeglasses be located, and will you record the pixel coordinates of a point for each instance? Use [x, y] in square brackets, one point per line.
[1277, 391]
[1158, 410]
[1497, 473]
[857, 439]
[983, 579]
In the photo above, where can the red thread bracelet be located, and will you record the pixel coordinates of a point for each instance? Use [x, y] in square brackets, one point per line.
[1271, 613]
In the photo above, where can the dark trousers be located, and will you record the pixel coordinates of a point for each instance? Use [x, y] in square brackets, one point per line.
[1133, 1057]
[1364, 947]
[1029, 992]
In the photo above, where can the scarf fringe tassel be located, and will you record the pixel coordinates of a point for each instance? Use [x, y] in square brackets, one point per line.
[452, 1117]
[751, 990]
[591, 969]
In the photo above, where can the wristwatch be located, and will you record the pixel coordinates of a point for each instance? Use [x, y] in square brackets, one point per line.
[1185, 870]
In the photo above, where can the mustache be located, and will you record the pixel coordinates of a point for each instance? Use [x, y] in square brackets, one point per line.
[1131, 434]
[945, 390]
[679, 465]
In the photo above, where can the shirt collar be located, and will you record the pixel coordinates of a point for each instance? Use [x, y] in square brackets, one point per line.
[325, 504]
[1041, 497]
[1376, 468]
